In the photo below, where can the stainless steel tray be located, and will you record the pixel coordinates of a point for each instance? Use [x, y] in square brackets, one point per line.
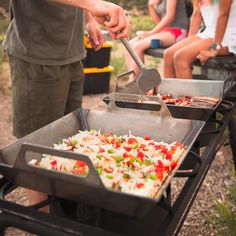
[159, 125]
[178, 87]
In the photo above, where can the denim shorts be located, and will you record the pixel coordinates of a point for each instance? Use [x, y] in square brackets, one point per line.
[41, 94]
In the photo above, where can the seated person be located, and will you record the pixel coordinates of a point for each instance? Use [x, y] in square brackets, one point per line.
[172, 26]
[218, 37]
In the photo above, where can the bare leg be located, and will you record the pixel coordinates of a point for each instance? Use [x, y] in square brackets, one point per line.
[169, 55]
[184, 57]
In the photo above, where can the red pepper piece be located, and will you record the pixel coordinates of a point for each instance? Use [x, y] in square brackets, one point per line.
[80, 163]
[140, 185]
[147, 138]
[132, 140]
[127, 149]
[53, 163]
[141, 155]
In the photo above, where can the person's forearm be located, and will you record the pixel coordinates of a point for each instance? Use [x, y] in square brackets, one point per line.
[222, 20]
[153, 13]
[195, 22]
[165, 22]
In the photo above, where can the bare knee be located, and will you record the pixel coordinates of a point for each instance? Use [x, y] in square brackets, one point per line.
[181, 62]
[169, 55]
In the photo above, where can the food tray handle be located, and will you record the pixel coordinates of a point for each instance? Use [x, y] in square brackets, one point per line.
[122, 77]
[21, 163]
[190, 172]
[163, 111]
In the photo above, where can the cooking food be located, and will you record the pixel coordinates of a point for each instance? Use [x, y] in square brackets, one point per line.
[198, 101]
[136, 165]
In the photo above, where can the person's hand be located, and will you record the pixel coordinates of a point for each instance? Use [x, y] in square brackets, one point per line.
[95, 35]
[112, 17]
[204, 55]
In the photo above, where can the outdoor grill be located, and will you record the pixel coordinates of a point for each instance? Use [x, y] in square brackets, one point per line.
[116, 213]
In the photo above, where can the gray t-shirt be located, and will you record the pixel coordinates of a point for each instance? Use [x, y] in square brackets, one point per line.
[181, 18]
[45, 33]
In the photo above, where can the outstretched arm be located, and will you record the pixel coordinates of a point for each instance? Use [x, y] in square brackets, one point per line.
[152, 4]
[118, 24]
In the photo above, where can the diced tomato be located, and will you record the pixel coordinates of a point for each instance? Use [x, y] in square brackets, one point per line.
[159, 169]
[117, 144]
[139, 185]
[173, 148]
[80, 163]
[101, 149]
[141, 155]
[164, 151]
[167, 168]
[159, 163]
[132, 141]
[159, 175]
[173, 164]
[53, 163]
[168, 156]
[151, 144]
[125, 155]
[147, 138]
[159, 146]
[127, 149]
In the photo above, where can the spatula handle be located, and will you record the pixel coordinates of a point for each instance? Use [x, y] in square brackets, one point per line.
[132, 53]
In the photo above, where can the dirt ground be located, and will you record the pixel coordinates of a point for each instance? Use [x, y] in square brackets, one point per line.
[215, 184]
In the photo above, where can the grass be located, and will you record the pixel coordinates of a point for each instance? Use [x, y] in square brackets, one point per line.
[224, 217]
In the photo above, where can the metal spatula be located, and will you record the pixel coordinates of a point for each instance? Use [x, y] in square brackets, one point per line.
[148, 78]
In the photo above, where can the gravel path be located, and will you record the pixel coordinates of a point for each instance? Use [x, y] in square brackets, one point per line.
[196, 223]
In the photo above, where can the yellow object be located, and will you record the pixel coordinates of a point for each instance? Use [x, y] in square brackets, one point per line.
[98, 70]
[107, 44]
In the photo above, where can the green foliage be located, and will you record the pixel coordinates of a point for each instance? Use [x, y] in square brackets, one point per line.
[141, 23]
[118, 62]
[139, 4]
[3, 24]
[224, 218]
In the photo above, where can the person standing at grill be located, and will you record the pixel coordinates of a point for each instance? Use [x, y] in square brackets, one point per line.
[218, 38]
[45, 47]
[172, 24]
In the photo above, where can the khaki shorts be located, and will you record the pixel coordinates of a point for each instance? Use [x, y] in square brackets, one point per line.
[42, 94]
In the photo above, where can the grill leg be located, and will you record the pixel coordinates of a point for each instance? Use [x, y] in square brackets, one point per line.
[232, 129]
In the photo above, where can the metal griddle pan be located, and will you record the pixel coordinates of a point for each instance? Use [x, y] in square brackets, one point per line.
[179, 87]
[159, 125]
